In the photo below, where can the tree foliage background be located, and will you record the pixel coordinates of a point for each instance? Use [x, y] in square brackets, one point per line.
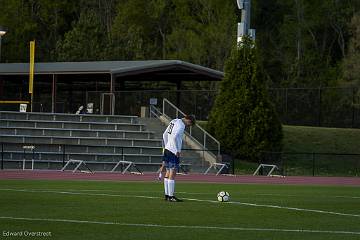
[301, 43]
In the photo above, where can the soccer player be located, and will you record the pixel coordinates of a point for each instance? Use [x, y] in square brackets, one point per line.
[172, 140]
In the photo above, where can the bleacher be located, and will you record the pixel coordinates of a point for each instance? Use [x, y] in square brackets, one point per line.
[100, 141]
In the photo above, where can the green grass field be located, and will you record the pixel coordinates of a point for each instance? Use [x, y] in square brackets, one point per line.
[123, 210]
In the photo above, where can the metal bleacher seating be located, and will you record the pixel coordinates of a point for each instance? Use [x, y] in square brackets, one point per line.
[101, 141]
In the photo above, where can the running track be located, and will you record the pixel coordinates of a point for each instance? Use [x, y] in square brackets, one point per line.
[151, 177]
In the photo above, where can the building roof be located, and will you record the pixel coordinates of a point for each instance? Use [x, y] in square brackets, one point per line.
[116, 68]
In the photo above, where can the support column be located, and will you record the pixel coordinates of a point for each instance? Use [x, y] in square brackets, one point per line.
[178, 94]
[71, 107]
[112, 96]
[112, 83]
[1, 87]
[53, 93]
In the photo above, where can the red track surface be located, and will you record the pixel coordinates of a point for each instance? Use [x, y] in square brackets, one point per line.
[148, 177]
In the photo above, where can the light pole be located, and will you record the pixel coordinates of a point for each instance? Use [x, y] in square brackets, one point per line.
[2, 33]
[244, 26]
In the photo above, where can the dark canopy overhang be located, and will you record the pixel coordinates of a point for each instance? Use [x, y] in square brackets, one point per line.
[151, 69]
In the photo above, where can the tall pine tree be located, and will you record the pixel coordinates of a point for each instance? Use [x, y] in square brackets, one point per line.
[243, 118]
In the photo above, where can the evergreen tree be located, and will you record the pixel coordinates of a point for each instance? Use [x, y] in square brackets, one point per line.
[84, 42]
[351, 65]
[243, 118]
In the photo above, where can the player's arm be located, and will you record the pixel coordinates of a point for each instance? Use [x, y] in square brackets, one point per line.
[165, 138]
[177, 137]
[161, 170]
[179, 141]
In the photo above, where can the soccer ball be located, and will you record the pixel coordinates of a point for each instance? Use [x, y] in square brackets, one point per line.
[223, 196]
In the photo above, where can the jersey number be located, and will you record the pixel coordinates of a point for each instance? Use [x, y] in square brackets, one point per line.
[171, 126]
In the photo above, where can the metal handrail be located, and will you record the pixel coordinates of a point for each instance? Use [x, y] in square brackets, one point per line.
[205, 133]
[154, 111]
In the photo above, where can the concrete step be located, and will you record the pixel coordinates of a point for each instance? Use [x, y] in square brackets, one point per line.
[11, 147]
[75, 132]
[79, 141]
[71, 125]
[18, 155]
[68, 117]
[96, 156]
[94, 166]
[154, 125]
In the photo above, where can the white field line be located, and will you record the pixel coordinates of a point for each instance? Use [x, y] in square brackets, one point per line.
[280, 207]
[353, 197]
[180, 226]
[279, 195]
[188, 199]
[294, 195]
[198, 193]
[77, 193]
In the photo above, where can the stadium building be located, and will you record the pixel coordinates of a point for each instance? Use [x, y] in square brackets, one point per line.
[114, 87]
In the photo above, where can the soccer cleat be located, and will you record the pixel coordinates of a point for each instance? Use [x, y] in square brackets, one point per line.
[174, 199]
[166, 198]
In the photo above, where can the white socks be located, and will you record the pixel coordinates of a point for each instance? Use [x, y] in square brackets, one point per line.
[166, 188]
[171, 187]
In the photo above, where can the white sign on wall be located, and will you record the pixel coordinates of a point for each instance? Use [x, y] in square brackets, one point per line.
[153, 101]
[23, 107]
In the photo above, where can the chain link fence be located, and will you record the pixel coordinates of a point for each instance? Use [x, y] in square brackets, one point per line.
[197, 102]
[324, 107]
[313, 164]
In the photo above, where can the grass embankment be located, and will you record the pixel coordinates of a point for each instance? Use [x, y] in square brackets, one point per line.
[321, 140]
[318, 140]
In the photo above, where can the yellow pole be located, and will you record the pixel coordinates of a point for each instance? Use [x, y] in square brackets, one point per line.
[31, 74]
[13, 102]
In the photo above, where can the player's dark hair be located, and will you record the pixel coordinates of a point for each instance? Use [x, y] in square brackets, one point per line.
[191, 118]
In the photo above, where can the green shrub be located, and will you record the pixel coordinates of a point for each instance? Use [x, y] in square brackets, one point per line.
[243, 118]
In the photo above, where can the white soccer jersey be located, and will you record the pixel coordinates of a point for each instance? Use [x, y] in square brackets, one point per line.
[173, 136]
